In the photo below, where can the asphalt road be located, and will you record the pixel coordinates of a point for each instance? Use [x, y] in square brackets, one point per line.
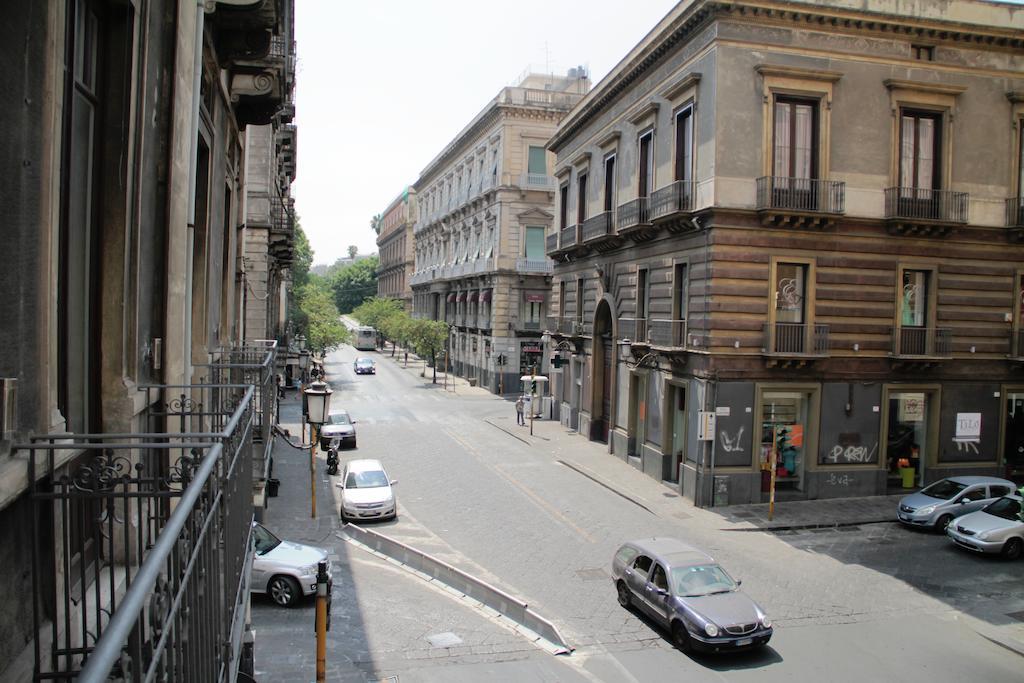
[876, 602]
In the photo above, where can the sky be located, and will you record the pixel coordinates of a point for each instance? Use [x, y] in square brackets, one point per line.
[382, 87]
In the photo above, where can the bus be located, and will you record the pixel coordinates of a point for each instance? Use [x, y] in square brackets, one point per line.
[365, 338]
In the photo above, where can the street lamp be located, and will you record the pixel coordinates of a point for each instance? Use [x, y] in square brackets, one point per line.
[318, 410]
[303, 361]
[301, 341]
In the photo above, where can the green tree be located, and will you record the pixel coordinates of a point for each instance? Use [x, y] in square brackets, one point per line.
[353, 251]
[323, 328]
[354, 284]
[429, 337]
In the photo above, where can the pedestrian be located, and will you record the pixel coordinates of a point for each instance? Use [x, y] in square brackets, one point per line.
[520, 420]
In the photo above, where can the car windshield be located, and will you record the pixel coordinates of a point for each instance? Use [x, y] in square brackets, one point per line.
[944, 490]
[704, 579]
[340, 419]
[264, 540]
[367, 479]
[363, 362]
[1007, 508]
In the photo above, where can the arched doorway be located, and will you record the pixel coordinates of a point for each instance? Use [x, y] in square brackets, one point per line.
[601, 381]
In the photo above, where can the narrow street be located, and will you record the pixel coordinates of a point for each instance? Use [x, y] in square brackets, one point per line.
[475, 490]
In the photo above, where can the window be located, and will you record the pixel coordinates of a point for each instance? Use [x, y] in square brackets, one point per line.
[1020, 168]
[645, 169]
[534, 250]
[563, 205]
[537, 163]
[925, 53]
[642, 565]
[609, 182]
[998, 491]
[914, 299]
[561, 299]
[790, 292]
[680, 302]
[642, 294]
[684, 144]
[579, 300]
[658, 578]
[795, 145]
[920, 150]
[581, 198]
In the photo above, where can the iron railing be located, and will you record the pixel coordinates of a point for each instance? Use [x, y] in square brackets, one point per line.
[141, 542]
[931, 342]
[633, 329]
[667, 333]
[533, 265]
[537, 181]
[801, 194]
[913, 203]
[792, 338]
[634, 213]
[1015, 212]
[568, 237]
[674, 198]
[599, 226]
[551, 243]
[281, 217]
[557, 324]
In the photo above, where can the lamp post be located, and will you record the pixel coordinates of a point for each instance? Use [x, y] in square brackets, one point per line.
[318, 410]
[303, 362]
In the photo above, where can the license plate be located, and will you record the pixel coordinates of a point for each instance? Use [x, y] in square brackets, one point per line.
[744, 641]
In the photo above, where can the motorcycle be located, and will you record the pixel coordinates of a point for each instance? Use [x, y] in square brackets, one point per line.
[332, 457]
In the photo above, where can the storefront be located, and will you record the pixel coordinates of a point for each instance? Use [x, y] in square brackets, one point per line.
[911, 423]
[530, 356]
[1013, 435]
[785, 420]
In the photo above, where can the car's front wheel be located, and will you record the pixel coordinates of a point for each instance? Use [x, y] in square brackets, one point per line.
[942, 522]
[681, 637]
[625, 599]
[1013, 549]
[284, 590]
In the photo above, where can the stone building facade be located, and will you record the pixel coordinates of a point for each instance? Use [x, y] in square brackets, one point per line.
[485, 208]
[795, 228]
[395, 253]
[132, 414]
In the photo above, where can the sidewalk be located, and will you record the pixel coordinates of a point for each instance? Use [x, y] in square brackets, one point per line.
[591, 459]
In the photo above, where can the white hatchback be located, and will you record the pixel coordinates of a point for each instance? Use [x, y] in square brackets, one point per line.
[366, 492]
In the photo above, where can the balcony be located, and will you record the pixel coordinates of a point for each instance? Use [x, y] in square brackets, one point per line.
[794, 344]
[667, 334]
[599, 233]
[633, 330]
[916, 212]
[537, 181]
[568, 238]
[1015, 218]
[672, 205]
[922, 344]
[634, 220]
[141, 545]
[534, 266]
[799, 202]
[551, 244]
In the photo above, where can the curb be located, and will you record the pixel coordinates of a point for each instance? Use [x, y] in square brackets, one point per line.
[802, 527]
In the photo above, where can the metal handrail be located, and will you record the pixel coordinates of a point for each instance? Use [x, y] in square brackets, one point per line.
[801, 194]
[599, 226]
[633, 213]
[792, 338]
[669, 333]
[926, 204]
[633, 329]
[673, 198]
[929, 342]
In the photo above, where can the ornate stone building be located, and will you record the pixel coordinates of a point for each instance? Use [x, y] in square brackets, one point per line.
[485, 209]
[795, 227]
[395, 248]
[134, 418]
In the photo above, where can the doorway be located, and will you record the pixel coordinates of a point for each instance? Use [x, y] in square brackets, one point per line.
[604, 359]
[1013, 436]
[677, 423]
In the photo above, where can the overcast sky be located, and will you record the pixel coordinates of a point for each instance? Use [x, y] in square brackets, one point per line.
[383, 86]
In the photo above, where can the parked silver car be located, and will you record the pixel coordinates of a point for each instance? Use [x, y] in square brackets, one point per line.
[688, 593]
[937, 505]
[997, 528]
[340, 426]
[366, 492]
[284, 570]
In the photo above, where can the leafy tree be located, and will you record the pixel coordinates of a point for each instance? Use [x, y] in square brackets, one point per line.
[324, 330]
[374, 311]
[429, 337]
[303, 257]
[353, 251]
[354, 283]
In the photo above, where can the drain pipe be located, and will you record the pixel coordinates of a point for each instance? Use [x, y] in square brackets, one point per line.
[193, 165]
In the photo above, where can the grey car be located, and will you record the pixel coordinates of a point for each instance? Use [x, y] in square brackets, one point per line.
[341, 427]
[687, 592]
[997, 528]
[935, 506]
[282, 569]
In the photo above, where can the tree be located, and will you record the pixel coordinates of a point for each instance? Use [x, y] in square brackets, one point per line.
[376, 223]
[428, 337]
[324, 330]
[354, 283]
[375, 310]
[353, 251]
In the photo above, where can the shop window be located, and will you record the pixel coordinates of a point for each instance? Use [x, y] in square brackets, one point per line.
[907, 438]
[1013, 441]
[784, 424]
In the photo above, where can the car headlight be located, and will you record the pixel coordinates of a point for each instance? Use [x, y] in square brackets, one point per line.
[766, 622]
[311, 569]
[711, 630]
[926, 510]
[983, 535]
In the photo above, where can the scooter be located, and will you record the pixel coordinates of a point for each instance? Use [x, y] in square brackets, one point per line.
[332, 457]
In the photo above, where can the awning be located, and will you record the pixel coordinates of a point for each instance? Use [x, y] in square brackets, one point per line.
[474, 297]
[462, 297]
[451, 297]
[535, 298]
[485, 296]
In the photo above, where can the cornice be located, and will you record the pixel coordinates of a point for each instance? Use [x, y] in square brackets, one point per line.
[924, 86]
[780, 71]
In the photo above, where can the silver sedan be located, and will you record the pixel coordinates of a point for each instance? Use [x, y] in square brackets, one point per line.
[935, 506]
[998, 528]
[282, 569]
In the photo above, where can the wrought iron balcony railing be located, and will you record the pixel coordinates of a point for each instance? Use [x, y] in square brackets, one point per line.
[599, 226]
[633, 329]
[634, 213]
[796, 339]
[568, 237]
[667, 333]
[556, 324]
[537, 181]
[674, 198]
[925, 342]
[141, 544]
[911, 203]
[801, 194]
[551, 243]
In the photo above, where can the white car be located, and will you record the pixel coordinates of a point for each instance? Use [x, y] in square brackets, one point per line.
[340, 426]
[998, 528]
[366, 492]
[284, 570]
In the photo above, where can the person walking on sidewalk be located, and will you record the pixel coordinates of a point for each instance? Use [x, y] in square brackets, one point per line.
[520, 420]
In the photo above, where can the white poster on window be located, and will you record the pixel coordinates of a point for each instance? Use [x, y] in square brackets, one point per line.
[968, 427]
[911, 407]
